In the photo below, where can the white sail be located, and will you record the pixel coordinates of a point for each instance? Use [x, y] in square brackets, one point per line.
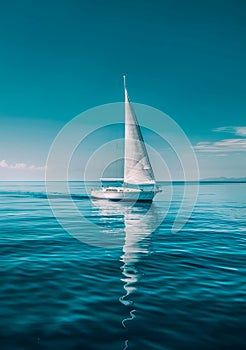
[138, 173]
[137, 167]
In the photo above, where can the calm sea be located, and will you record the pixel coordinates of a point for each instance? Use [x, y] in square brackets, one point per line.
[111, 283]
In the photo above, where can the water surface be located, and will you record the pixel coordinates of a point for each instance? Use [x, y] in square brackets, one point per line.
[149, 291]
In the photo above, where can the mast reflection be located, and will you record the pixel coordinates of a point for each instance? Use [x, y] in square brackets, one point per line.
[139, 221]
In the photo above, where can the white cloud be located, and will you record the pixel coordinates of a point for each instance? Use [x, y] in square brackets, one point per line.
[34, 167]
[3, 164]
[226, 145]
[237, 130]
[241, 131]
[20, 166]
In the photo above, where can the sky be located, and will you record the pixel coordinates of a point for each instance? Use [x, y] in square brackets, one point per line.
[60, 58]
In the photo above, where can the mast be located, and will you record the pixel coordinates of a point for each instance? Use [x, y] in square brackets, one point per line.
[124, 79]
[125, 94]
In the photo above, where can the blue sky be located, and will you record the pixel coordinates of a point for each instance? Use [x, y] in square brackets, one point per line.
[59, 58]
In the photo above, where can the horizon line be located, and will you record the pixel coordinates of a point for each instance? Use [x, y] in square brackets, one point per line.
[116, 180]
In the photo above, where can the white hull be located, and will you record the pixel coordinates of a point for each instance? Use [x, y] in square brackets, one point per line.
[123, 194]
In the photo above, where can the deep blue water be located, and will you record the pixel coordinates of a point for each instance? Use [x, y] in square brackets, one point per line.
[127, 288]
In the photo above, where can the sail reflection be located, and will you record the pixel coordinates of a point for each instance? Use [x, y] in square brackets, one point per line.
[139, 223]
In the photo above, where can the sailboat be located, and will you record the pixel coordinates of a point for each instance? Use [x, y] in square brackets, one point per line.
[139, 181]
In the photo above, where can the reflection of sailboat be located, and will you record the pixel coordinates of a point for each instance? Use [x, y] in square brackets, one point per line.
[140, 220]
[139, 224]
[139, 180]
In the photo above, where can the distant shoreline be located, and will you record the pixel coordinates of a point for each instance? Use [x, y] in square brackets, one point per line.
[158, 181]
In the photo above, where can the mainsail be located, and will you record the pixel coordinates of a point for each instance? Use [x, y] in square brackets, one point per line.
[137, 167]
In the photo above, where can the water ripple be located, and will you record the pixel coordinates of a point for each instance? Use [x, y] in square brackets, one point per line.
[161, 291]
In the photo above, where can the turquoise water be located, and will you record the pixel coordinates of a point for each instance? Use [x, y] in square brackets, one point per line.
[148, 290]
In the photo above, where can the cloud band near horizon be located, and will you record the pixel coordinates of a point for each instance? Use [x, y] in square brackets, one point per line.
[20, 166]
